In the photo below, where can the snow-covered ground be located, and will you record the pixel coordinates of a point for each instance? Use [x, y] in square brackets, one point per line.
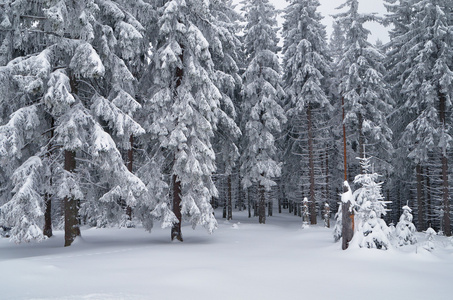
[241, 260]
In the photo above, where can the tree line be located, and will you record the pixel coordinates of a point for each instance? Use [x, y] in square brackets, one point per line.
[116, 112]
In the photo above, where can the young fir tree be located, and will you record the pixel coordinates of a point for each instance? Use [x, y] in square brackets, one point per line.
[262, 93]
[65, 88]
[372, 231]
[367, 100]
[405, 229]
[427, 95]
[306, 67]
[184, 105]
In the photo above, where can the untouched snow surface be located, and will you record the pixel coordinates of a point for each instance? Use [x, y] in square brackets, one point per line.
[241, 260]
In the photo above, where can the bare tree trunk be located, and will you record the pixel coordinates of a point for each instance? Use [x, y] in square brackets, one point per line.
[176, 228]
[344, 143]
[71, 211]
[311, 166]
[420, 202]
[445, 190]
[262, 205]
[230, 200]
[130, 157]
[428, 203]
[47, 196]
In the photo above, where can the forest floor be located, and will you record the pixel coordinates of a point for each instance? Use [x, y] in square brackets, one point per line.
[241, 260]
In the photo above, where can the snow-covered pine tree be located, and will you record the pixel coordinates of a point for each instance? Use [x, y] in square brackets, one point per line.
[398, 66]
[306, 67]
[405, 229]
[184, 107]
[367, 100]
[427, 94]
[226, 53]
[371, 229]
[63, 83]
[262, 94]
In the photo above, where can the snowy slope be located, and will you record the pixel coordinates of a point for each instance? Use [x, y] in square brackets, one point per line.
[241, 260]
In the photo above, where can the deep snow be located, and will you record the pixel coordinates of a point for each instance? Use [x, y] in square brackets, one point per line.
[241, 260]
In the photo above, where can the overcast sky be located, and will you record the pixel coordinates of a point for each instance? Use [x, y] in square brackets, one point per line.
[328, 8]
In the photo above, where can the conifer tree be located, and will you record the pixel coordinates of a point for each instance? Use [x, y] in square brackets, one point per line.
[367, 100]
[64, 84]
[405, 229]
[426, 87]
[306, 68]
[184, 106]
[372, 231]
[262, 94]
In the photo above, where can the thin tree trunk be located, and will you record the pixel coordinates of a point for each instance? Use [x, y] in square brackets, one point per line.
[230, 200]
[361, 141]
[71, 211]
[249, 203]
[344, 143]
[428, 203]
[420, 202]
[130, 157]
[176, 228]
[311, 166]
[262, 205]
[48, 197]
[445, 193]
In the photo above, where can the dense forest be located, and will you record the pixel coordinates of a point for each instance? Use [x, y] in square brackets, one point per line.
[126, 113]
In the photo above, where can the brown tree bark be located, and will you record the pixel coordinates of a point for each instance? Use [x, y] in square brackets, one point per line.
[176, 228]
[130, 158]
[344, 142]
[48, 197]
[445, 189]
[311, 167]
[71, 210]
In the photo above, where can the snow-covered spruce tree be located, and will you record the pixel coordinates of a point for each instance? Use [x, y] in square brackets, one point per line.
[367, 100]
[398, 66]
[306, 66]
[225, 48]
[262, 93]
[371, 230]
[426, 87]
[405, 229]
[68, 79]
[184, 107]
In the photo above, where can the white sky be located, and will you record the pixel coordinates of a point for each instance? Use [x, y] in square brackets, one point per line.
[328, 8]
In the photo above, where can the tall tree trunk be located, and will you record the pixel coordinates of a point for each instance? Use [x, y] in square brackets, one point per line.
[428, 203]
[230, 200]
[176, 228]
[47, 196]
[311, 166]
[130, 157]
[361, 141]
[345, 164]
[249, 203]
[420, 202]
[71, 210]
[262, 205]
[445, 193]
[327, 177]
